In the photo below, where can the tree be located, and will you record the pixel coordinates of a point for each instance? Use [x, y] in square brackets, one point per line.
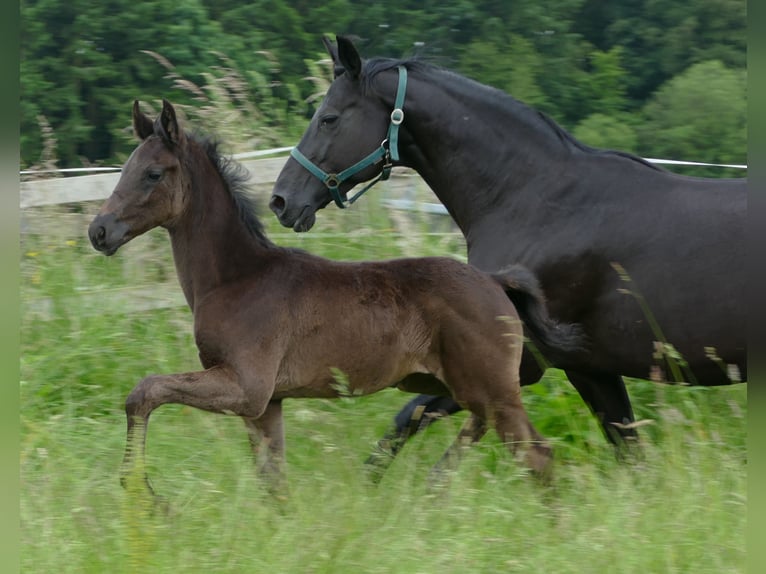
[507, 62]
[661, 38]
[82, 65]
[84, 62]
[607, 132]
[700, 115]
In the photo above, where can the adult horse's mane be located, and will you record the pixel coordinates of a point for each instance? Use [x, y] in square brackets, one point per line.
[236, 179]
[374, 66]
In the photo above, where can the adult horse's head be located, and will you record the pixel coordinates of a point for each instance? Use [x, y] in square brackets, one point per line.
[351, 138]
[150, 191]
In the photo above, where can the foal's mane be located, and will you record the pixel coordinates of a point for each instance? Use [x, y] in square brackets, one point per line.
[374, 66]
[236, 179]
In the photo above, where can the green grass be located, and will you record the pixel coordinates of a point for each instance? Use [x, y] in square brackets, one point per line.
[679, 507]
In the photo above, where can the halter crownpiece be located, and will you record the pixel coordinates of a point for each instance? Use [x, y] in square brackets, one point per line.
[388, 151]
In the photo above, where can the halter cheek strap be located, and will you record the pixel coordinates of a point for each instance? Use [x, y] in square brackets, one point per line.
[388, 151]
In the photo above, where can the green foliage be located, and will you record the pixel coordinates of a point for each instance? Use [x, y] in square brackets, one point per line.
[81, 65]
[83, 62]
[661, 39]
[607, 132]
[507, 63]
[700, 115]
[605, 89]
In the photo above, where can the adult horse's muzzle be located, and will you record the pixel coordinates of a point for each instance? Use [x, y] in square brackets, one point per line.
[301, 219]
[107, 233]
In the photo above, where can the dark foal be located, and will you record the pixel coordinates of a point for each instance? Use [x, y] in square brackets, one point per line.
[270, 323]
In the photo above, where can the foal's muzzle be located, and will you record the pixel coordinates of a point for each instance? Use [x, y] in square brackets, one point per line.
[107, 233]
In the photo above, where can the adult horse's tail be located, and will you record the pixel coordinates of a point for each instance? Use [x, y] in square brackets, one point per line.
[524, 291]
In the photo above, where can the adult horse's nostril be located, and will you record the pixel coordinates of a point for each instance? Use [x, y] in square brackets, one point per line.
[277, 204]
[101, 232]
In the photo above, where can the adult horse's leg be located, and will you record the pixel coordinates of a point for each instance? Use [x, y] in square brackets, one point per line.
[216, 389]
[416, 415]
[267, 439]
[607, 398]
[470, 433]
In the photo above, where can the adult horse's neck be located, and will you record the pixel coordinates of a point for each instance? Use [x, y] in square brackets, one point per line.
[476, 147]
[215, 241]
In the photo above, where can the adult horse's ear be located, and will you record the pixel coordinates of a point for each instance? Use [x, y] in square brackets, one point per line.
[338, 68]
[168, 124]
[142, 125]
[348, 57]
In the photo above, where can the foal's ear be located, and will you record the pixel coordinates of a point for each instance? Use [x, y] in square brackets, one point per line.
[348, 57]
[167, 125]
[142, 125]
[338, 68]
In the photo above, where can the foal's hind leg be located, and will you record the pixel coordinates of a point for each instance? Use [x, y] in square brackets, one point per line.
[267, 439]
[516, 431]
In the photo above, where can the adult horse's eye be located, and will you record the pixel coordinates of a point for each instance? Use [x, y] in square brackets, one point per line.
[327, 121]
[154, 175]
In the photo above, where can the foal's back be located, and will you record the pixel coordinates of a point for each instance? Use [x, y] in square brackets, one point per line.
[377, 322]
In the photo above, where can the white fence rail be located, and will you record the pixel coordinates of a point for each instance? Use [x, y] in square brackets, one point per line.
[58, 190]
[404, 191]
[263, 171]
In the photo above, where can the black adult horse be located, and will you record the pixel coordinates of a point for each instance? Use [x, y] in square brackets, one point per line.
[649, 262]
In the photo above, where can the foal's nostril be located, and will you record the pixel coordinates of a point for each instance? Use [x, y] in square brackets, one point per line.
[97, 235]
[277, 204]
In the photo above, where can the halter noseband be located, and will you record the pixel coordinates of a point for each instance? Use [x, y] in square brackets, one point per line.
[388, 152]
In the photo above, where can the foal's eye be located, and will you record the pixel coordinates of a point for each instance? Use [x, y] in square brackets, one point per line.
[327, 121]
[154, 175]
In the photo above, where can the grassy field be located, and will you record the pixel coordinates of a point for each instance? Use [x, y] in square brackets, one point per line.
[679, 507]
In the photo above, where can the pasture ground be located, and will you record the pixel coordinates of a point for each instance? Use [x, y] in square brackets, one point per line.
[679, 507]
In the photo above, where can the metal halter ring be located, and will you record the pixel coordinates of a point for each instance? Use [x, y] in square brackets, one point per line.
[397, 116]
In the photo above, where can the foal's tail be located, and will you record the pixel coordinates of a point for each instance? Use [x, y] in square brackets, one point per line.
[524, 291]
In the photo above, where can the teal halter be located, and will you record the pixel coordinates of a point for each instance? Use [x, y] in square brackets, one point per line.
[388, 152]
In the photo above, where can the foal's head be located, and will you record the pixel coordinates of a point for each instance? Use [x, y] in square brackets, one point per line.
[153, 188]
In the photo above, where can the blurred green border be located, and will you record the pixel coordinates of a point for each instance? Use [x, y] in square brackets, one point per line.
[757, 222]
[9, 290]
[9, 278]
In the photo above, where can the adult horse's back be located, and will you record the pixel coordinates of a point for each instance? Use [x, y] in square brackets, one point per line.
[649, 262]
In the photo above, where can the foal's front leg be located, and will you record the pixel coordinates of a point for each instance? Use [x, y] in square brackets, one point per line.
[217, 389]
[267, 439]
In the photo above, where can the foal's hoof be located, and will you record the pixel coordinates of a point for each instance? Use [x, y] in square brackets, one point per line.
[133, 483]
[538, 458]
[145, 501]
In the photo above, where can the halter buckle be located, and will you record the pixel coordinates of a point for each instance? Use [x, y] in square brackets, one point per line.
[332, 180]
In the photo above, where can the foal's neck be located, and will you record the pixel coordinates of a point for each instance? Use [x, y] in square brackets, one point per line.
[212, 245]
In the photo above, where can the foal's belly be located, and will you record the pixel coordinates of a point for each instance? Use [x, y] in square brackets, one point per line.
[343, 372]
